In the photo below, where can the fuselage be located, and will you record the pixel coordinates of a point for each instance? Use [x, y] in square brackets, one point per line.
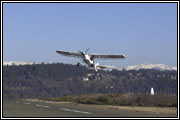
[87, 60]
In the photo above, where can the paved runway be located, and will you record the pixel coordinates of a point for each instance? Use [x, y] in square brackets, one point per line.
[42, 109]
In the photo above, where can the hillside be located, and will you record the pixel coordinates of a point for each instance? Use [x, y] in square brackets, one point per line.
[57, 79]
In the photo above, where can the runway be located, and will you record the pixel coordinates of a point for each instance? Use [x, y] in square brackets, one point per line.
[43, 110]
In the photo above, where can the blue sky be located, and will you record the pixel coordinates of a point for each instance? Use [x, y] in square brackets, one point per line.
[144, 32]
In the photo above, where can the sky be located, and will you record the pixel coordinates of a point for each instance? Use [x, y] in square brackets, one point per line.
[144, 32]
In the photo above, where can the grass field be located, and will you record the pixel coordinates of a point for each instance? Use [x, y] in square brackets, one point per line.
[120, 99]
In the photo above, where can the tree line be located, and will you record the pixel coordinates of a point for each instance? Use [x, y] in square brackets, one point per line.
[58, 79]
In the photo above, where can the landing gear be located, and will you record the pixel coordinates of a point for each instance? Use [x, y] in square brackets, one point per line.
[78, 64]
[92, 65]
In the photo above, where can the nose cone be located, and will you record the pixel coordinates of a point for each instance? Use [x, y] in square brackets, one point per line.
[86, 55]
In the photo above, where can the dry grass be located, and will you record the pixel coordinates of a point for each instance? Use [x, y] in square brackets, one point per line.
[156, 110]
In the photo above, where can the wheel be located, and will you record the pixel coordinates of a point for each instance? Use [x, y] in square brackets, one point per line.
[78, 64]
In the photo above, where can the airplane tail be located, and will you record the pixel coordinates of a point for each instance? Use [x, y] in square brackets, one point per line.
[97, 66]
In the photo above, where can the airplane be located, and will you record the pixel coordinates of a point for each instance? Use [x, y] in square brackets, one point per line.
[89, 58]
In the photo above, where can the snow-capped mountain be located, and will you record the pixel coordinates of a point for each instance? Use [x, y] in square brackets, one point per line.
[17, 63]
[132, 67]
[150, 66]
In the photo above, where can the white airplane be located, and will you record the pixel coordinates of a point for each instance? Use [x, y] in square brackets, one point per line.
[89, 58]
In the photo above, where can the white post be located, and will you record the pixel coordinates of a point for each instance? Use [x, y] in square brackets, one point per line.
[152, 91]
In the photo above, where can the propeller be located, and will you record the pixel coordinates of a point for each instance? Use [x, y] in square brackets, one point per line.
[83, 53]
[87, 50]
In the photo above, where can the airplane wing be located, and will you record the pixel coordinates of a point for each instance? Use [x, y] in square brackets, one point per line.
[70, 54]
[106, 67]
[108, 56]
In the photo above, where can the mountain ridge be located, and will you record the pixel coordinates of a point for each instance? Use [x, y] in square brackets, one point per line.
[150, 66]
[131, 67]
